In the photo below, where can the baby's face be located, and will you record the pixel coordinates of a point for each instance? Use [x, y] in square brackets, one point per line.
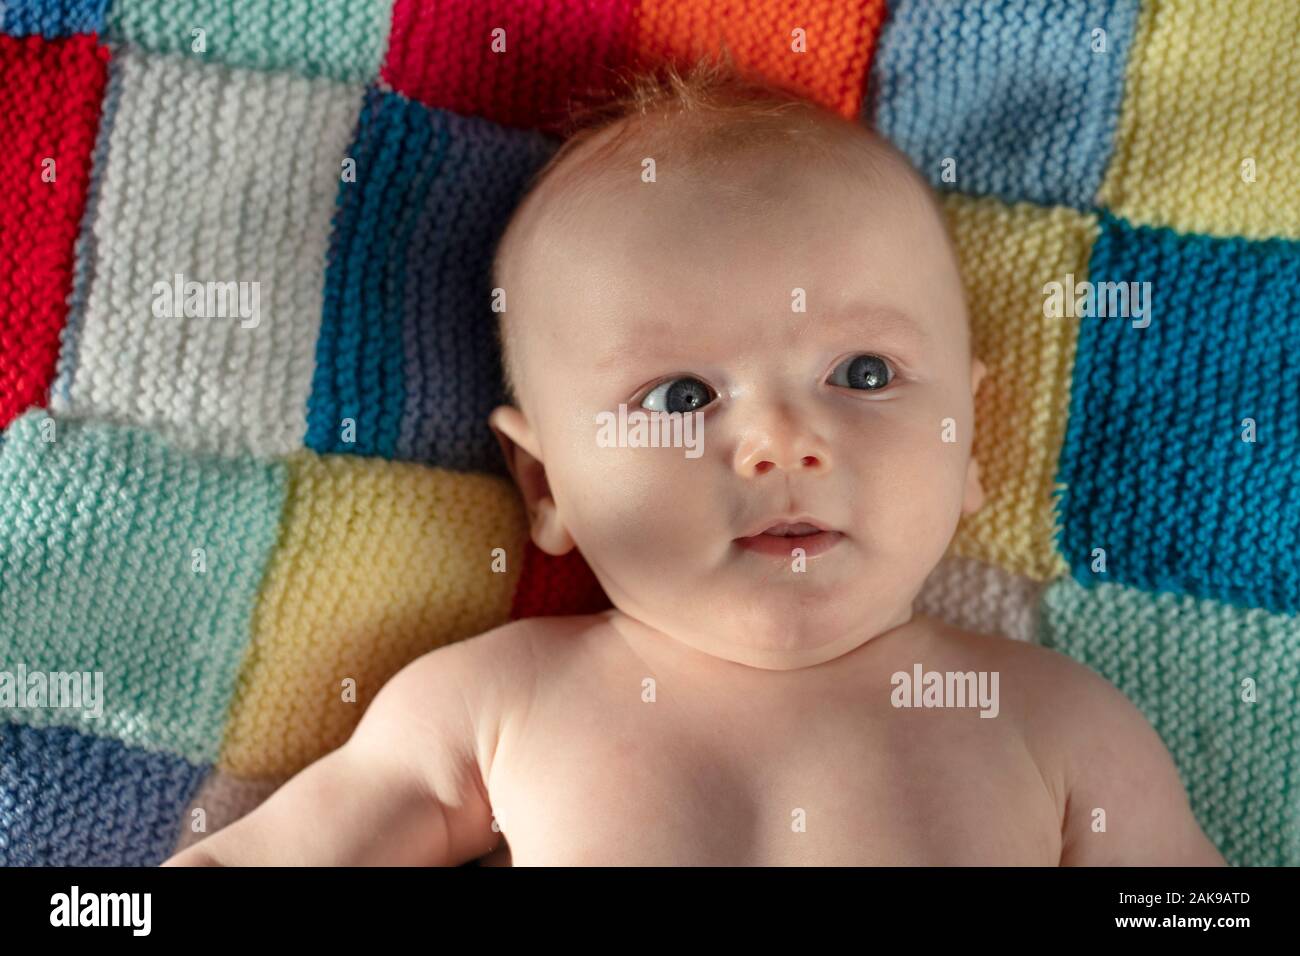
[820, 329]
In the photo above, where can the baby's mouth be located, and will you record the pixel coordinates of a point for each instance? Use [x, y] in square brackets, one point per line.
[781, 538]
[793, 530]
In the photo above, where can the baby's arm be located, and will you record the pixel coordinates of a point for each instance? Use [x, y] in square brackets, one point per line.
[1115, 762]
[404, 790]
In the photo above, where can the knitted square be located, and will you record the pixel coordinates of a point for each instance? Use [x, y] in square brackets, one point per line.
[51, 18]
[407, 364]
[819, 48]
[337, 39]
[49, 112]
[1155, 466]
[221, 801]
[208, 241]
[516, 62]
[981, 597]
[1209, 132]
[1010, 98]
[1191, 666]
[122, 556]
[378, 563]
[550, 585]
[1007, 254]
[73, 799]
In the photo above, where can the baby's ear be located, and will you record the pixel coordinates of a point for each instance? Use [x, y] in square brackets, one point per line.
[519, 446]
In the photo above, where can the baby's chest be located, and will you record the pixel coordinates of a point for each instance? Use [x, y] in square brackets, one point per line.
[830, 792]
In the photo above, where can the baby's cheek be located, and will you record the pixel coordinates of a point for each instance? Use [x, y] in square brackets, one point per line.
[911, 485]
[619, 495]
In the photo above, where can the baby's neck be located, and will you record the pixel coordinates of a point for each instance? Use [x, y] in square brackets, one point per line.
[693, 650]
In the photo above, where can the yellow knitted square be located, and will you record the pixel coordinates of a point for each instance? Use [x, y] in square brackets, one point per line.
[1007, 255]
[1212, 89]
[377, 563]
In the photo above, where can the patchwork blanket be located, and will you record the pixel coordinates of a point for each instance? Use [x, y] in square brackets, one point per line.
[228, 527]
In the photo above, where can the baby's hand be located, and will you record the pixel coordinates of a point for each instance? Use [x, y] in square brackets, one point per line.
[1118, 774]
[404, 790]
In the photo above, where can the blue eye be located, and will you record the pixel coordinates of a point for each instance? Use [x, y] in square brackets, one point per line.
[678, 395]
[864, 372]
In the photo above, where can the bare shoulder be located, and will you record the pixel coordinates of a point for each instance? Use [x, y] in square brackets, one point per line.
[1058, 702]
[459, 696]
[498, 670]
[1033, 677]
[1121, 797]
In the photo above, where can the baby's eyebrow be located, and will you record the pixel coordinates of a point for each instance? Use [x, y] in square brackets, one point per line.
[869, 318]
[857, 319]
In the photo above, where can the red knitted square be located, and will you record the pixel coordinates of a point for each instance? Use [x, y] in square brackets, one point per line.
[50, 96]
[551, 586]
[448, 54]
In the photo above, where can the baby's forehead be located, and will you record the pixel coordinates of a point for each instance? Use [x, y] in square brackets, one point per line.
[612, 233]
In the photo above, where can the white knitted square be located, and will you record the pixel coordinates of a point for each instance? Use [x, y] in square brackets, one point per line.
[981, 597]
[218, 175]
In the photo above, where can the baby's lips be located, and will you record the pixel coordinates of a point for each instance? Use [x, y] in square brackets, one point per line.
[788, 525]
[784, 546]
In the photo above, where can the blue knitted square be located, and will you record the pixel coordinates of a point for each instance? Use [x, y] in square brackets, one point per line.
[1011, 91]
[51, 18]
[134, 566]
[73, 799]
[1154, 465]
[407, 350]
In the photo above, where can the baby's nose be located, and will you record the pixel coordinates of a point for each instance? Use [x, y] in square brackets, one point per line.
[783, 444]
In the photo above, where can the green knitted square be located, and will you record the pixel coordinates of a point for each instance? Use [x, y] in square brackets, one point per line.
[336, 39]
[121, 555]
[1186, 663]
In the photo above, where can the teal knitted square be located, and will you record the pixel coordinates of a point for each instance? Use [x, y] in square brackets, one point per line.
[335, 39]
[1189, 666]
[124, 557]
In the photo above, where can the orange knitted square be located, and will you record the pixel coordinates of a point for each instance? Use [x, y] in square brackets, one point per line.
[820, 48]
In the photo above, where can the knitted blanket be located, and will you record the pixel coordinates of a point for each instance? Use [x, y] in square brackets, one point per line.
[246, 359]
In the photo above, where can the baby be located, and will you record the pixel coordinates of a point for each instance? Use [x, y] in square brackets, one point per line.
[729, 254]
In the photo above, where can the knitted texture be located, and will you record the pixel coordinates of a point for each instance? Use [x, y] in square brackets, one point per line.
[222, 800]
[407, 350]
[49, 111]
[1211, 84]
[51, 18]
[378, 563]
[339, 39]
[981, 597]
[550, 585]
[450, 54]
[86, 250]
[1013, 92]
[72, 799]
[819, 48]
[1184, 663]
[119, 555]
[328, 573]
[1006, 255]
[220, 176]
[1154, 466]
